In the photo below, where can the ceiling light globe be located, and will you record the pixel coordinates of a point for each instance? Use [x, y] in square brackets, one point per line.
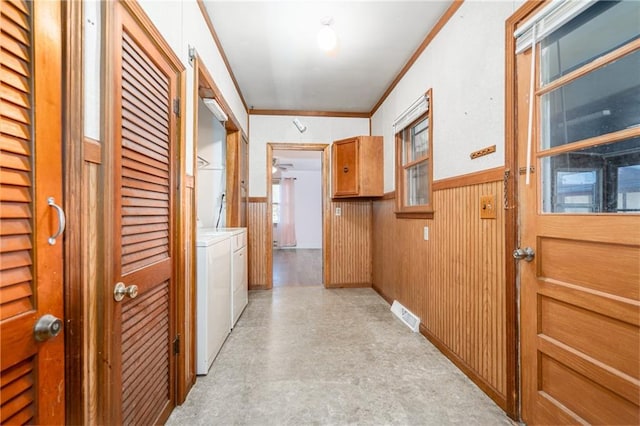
[326, 38]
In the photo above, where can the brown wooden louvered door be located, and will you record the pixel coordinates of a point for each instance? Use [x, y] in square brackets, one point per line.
[32, 375]
[143, 182]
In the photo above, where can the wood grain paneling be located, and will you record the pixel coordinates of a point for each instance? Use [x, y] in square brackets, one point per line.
[454, 281]
[350, 244]
[31, 269]
[16, 207]
[90, 244]
[145, 159]
[142, 183]
[187, 300]
[145, 361]
[258, 240]
[18, 394]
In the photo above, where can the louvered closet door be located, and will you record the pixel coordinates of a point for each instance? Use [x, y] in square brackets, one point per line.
[143, 182]
[32, 376]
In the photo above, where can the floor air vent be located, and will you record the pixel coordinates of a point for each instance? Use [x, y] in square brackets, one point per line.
[412, 321]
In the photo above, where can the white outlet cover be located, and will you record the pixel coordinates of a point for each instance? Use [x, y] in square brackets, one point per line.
[338, 211]
[426, 233]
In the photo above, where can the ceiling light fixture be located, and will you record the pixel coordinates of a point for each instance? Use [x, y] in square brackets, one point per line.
[215, 109]
[301, 127]
[326, 36]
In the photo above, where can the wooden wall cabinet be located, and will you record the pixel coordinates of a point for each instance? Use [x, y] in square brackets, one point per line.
[356, 167]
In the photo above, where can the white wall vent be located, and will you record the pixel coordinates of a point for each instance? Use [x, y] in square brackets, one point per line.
[406, 316]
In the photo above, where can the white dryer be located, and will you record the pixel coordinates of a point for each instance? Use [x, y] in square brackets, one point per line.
[212, 296]
[239, 270]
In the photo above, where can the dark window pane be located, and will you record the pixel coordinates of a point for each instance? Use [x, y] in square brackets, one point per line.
[604, 178]
[598, 30]
[603, 101]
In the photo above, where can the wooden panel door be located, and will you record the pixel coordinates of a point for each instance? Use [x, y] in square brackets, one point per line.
[580, 292]
[143, 156]
[31, 282]
[345, 167]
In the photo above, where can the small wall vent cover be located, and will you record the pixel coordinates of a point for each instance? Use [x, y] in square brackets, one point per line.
[406, 316]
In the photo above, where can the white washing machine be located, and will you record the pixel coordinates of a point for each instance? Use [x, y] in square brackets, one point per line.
[239, 270]
[212, 296]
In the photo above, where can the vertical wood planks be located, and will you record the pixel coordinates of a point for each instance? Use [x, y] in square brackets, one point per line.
[257, 236]
[350, 244]
[454, 281]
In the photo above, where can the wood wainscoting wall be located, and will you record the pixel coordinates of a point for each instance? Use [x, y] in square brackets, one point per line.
[257, 243]
[186, 358]
[455, 281]
[350, 244]
[91, 229]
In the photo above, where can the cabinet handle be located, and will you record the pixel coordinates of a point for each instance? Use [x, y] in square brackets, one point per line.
[61, 220]
[345, 169]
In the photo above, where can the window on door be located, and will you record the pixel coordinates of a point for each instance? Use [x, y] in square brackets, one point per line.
[589, 112]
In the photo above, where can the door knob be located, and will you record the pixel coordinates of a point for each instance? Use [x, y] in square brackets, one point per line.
[526, 253]
[121, 290]
[47, 327]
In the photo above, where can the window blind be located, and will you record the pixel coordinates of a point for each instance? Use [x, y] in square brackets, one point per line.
[549, 19]
[417, 108]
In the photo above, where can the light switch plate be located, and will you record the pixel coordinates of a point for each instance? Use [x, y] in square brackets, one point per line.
[338, 211]
[488, 207]
[425, 233]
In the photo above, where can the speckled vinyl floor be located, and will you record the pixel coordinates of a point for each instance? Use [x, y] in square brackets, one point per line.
[312, 356]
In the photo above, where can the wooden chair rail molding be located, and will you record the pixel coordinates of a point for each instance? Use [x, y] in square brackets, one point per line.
[476, 178]
[484, 176]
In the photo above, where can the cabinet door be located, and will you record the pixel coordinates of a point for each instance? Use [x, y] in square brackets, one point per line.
[345, 164]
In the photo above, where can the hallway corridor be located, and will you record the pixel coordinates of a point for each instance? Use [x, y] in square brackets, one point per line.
[297, 267]
[308, 355]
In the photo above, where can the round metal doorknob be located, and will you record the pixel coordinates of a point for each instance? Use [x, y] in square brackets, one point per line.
[526, 253]
[121, 290]
[47, 327]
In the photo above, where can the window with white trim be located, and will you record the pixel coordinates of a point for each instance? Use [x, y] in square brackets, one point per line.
[413, 134]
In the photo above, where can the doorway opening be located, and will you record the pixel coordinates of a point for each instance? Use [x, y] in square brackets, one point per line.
[296, 223]
[296, 195]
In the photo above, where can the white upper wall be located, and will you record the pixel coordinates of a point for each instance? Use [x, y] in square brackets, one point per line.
[182, 25]
[280, 129]
[464, 65]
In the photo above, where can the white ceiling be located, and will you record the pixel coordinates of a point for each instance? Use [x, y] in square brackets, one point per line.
[272, 50]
